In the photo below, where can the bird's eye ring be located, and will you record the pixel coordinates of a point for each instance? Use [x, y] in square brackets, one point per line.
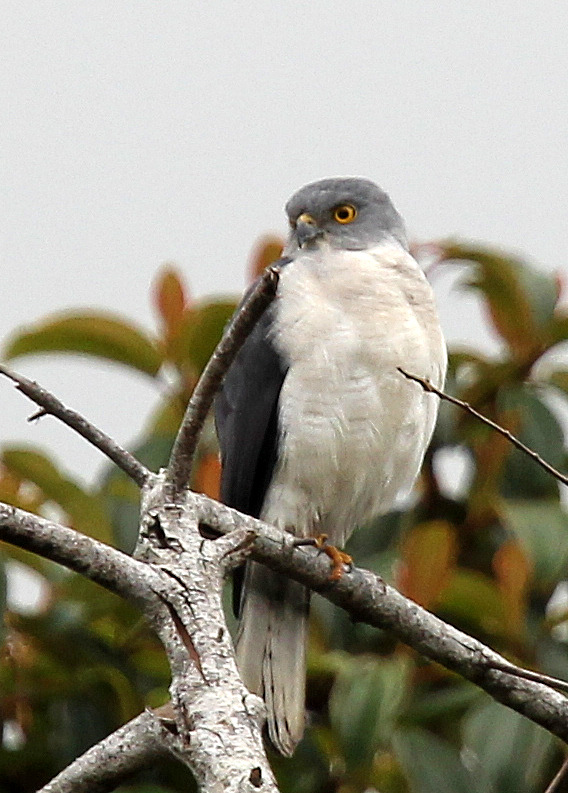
[346, 213]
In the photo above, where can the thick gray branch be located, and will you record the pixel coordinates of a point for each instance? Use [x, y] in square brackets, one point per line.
[218, 721]
[103, 564]
[178, 585]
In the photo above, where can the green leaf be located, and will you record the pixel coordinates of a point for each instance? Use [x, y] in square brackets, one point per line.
[365, 700]
[3, 592]
[203, 330]
[506, 751]
[540, 288]
[122, 499]
[445, 703]
[542, 529]
[81, 723]
[308, 771]
[90, 333]
[428, 553]
[474, 599]
[521, 300]
[166, 418]
[432, 765]
[85, 511]
[558, 329]
[538, 429]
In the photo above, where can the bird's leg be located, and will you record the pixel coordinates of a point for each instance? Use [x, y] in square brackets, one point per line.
[337, 556]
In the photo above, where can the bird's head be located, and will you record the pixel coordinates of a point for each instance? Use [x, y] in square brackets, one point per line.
[348, 213]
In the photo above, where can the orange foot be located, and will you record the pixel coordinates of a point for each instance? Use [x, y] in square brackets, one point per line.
[338, 558]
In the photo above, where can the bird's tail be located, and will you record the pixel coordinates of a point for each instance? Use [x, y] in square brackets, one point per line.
[271, 650]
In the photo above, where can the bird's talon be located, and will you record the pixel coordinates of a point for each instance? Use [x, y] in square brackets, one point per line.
[338, 558]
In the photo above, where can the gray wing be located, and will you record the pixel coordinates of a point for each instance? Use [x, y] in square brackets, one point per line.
[246, 417]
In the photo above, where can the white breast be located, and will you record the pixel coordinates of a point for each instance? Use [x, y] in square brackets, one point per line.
[353, 429]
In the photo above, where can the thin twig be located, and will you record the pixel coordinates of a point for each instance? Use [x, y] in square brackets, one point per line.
[49, 404]
[557, 783]
[427, 386]
[181, 460]
[529, 674]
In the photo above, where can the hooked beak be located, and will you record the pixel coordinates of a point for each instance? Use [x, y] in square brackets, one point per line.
[307, 229]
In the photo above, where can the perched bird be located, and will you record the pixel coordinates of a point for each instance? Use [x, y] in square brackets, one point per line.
[319, 432]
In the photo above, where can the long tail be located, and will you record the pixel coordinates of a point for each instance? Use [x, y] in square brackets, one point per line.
[271, 650]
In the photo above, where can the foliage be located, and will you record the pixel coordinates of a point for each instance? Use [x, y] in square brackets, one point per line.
[488, 560]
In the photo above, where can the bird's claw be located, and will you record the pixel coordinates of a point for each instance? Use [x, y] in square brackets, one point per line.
[338, 557]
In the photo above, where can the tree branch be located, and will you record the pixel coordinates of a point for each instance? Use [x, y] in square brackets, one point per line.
[49, 404]
[178, 586]
[133, 747]
[104, 565]
[177, 576]
[181, 460]
[367, 598]
[218, 721]
[363, 594]
[427, 386]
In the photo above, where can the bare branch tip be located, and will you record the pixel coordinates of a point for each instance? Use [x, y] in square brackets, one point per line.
[9, 374]
[39, 414]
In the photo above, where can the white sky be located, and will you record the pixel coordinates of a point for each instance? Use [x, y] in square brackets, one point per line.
[138, 132]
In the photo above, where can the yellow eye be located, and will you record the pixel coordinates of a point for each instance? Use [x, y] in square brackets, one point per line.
[346, 213]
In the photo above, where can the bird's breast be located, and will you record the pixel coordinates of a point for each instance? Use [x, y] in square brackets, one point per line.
[353, 430]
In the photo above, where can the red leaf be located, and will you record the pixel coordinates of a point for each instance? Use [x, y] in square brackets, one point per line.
[428, 556]
[170, 298]
[513, 571]
[267, 250]
[208, 476]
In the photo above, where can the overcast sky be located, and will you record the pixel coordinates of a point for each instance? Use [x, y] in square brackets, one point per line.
[138, 132]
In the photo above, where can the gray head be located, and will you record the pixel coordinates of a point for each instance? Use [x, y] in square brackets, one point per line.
[348, 212]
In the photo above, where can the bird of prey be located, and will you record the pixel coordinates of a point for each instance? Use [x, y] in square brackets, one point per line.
[318, 430]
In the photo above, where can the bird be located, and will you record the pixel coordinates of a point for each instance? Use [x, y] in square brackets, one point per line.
[319, 432]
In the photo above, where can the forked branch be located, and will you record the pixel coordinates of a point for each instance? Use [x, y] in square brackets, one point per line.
[50, 405]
